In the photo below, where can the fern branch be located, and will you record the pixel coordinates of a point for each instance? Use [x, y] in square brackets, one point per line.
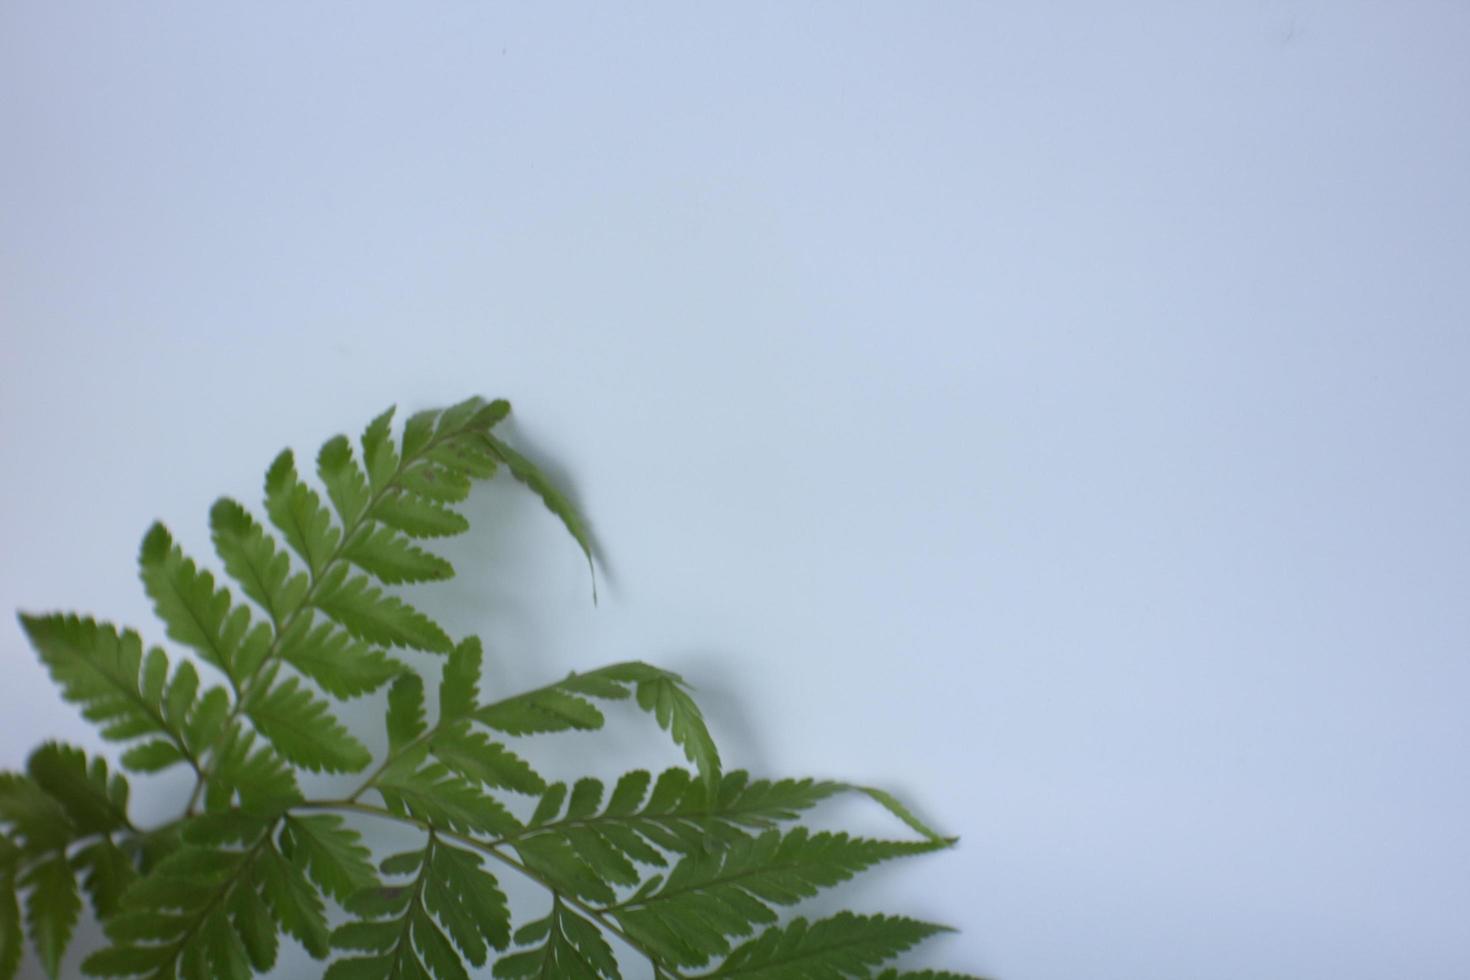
[492, 851]
[336, 559]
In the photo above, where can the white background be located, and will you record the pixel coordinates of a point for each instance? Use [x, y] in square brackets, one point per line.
[1054, 414]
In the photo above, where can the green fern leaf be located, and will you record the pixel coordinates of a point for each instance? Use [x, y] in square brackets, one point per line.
[196, 613]
[570, 947]
[342, 666]
[106, 673]
[835, 948]
[564, 706]
[710, 897]
[379, 453]
[346, 484]
[304, 730]
[476, 758]
[36, 822]
[94, 800]
[333, 854]
[546, 710]
[256, 776]
[252, 559]
[107, 873]
[52, 908]
[368, 614]
[663, 694]
[296, 510]
[553, 860]
[401, 924]
[186, 919]
[294, 901]
[438, 797]
[459, 687]
[681, 867]
[467, 899]
[390, 557]
[420, 517]
[405, 712]
[677, 815]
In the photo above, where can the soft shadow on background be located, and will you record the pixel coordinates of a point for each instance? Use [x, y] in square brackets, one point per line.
[1053, 413]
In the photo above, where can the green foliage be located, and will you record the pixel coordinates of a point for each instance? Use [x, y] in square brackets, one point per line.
[690, 869]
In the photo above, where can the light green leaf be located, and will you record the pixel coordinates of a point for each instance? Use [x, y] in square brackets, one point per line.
[106, 673]
[252, 559]
[304, 730]
[296, 510]
[459, 687]
[370, 615]
[390, 557]
[196, 613]
[346, 484]
[480, 760]
[419, 517]
[435, 795]
[339, 664]
[710, 897]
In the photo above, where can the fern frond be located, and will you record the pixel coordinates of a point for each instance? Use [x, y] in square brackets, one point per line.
[298, 513]
[338, 663]
[52, 909]
[254, 776]
[304, 731]
[200, 913]
[710, 897]
[368, 614]
[685, 867]
[679, 815]
[212, 908]
[476, 758]
[405, 721]
[459, 686]
[453, 908]
[564, 706]
[842, 946]
[130, 695]
[252, 559]
[94, 800]
[568, 946]
[63, 801]
[429, 792]
[196, 613]
[332, 853]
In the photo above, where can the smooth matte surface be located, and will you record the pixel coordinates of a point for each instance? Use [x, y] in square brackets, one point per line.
[1055, 414]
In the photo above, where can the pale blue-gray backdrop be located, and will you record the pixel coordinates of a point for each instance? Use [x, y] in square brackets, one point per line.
[1055, 413]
